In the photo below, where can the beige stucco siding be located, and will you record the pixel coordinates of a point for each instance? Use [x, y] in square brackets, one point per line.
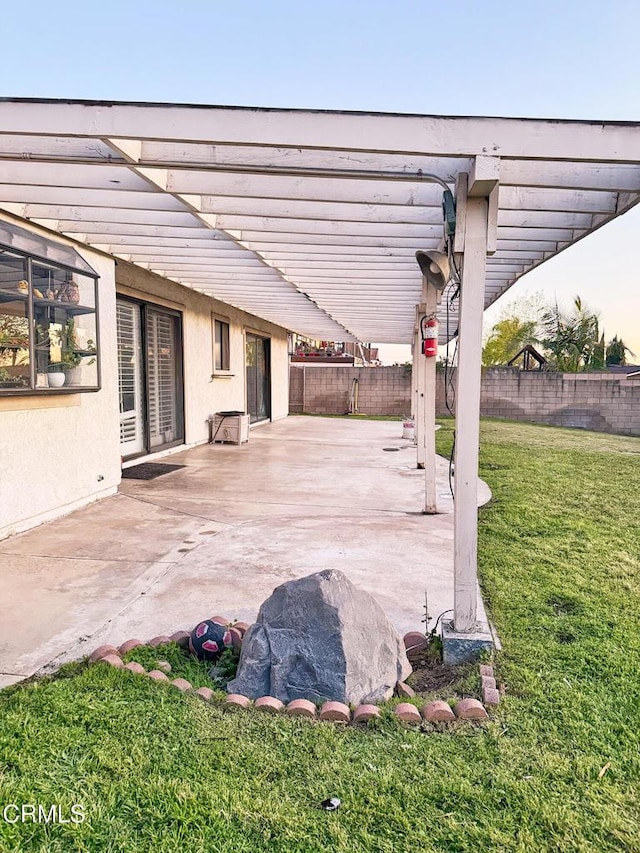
[58, 453]
[61, 452]
[205, 395]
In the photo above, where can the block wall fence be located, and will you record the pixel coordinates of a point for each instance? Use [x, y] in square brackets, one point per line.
[603, 402]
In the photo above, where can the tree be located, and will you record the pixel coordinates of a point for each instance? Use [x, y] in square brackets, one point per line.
[617, 351]
[572, 339]
[598, 355]
[14, 339]
[507, 338]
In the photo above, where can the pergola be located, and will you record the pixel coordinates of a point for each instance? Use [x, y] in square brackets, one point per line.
[311, 219]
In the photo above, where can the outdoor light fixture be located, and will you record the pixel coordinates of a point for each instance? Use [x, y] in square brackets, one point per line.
[435, 268]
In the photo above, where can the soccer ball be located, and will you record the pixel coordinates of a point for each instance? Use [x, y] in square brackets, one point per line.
[208, 640]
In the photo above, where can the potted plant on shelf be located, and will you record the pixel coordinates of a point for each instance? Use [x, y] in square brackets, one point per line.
[8, 380]
[57, 371]
[71, 353]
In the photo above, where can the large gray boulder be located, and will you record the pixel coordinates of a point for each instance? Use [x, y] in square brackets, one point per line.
[318, 638]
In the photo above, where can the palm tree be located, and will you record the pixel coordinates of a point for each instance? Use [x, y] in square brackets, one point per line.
[617, 351]
[571, 338]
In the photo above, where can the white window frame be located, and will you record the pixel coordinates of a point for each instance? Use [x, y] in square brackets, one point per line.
[220, 371]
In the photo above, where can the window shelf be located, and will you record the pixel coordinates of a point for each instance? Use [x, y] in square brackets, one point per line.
[48, 317]
[13, 296]
[69, 307]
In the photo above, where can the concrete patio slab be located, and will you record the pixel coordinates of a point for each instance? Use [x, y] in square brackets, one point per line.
[218, 535]
[56, 604]
[117, 528]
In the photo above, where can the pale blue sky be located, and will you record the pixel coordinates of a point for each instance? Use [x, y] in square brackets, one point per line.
[539, 59]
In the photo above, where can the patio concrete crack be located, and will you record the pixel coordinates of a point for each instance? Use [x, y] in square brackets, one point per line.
[364, 510]
[74, 648]
[82, 559]
[173, 509]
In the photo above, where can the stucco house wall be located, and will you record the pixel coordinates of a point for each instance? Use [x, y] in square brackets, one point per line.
[203, 394]
[58, 453]
[61, 452]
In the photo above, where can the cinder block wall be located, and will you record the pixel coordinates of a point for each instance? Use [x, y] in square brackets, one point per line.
[603, 402]
[326, 390]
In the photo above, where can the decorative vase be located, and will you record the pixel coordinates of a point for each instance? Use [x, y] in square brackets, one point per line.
[56, 380]
[69, 292]
[74, 376]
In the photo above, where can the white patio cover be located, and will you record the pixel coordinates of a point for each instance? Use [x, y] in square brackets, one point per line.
[309, 219]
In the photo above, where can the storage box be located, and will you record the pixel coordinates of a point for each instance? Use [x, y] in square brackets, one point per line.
[230, 429]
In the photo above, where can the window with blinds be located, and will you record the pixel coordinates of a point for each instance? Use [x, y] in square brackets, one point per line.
[129, 377]
[161, 378]
[150, 377]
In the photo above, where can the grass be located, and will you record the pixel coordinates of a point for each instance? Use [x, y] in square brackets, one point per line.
[184, 665]
[559, 549]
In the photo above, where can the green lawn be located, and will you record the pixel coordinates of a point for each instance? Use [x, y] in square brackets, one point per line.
[560, 568]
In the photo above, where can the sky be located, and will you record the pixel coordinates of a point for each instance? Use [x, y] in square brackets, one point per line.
[542, 60]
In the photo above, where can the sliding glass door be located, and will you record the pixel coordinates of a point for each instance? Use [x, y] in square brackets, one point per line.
[164, 401]
[258, 367]
[150, 377]
[130, 384]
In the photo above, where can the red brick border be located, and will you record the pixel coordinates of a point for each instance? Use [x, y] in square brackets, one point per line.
[435, 711]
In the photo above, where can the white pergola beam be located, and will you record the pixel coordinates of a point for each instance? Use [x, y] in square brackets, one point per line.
[230, 206]
[129, 149]
[63, 174]
[88, 216]
[197, 241]
[510, 233]
[273, 240]
[388, 268]
[262, 225]
[55, 149]
[352, 277]
[295, 160]
[425, 135]
[175, 253]
[526, 257]
[527, 245]
[543, 219]
[217, 184]
[587, 175]
[483, 176]
[72, 197]
[224, 277]
[339, 254]
[233, 265]
[618, 177]
[535, 198]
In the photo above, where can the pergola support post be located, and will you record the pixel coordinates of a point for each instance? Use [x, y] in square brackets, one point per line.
[420, 373]
[464, 637]
[429, 410]
[414, 382]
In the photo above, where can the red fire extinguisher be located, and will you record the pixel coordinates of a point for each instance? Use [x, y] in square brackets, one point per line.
[429, 329]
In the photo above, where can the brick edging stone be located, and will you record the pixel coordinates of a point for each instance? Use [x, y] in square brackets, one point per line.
[435, 711]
